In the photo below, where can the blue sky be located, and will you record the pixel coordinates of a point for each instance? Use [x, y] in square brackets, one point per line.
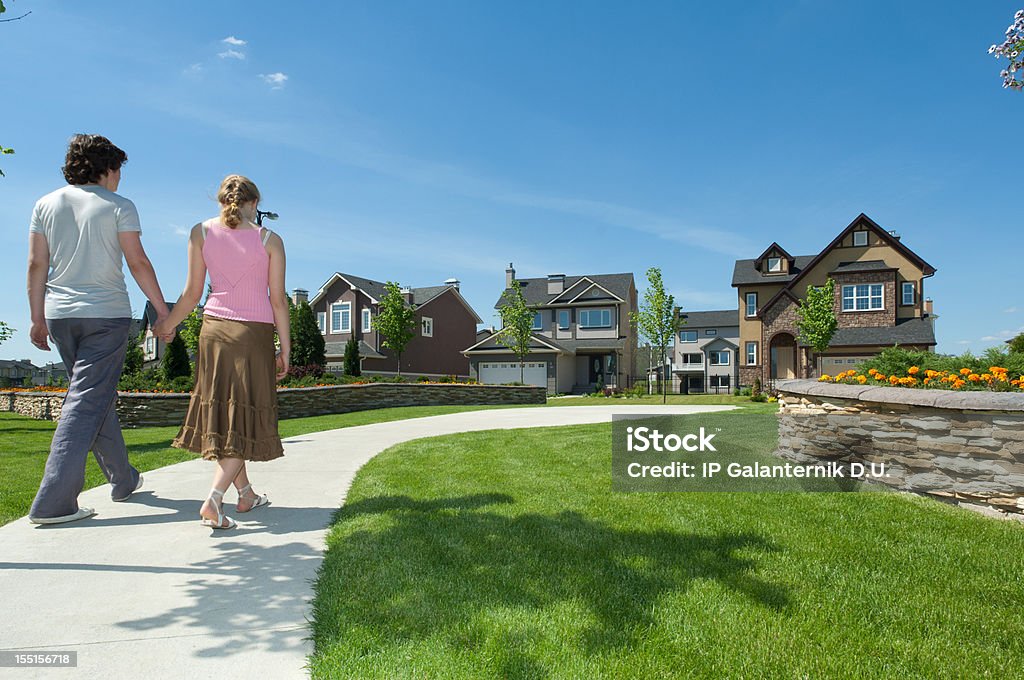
[420, 141]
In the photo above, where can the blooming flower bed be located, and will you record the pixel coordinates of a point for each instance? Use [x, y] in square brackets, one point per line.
[996, 379]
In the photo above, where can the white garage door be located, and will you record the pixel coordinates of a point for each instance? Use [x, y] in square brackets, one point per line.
[498, 373]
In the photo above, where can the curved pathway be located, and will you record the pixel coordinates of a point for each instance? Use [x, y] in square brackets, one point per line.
[141, 590]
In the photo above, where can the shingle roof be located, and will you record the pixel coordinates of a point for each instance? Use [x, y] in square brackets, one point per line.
[337, 349]
[710, 319]
[745, 272]
[915, 331]
[864, 266]
[377, 290]
[535, 291]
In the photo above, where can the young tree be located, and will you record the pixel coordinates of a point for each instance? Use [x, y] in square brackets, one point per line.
[1013, 49]
[308, 347]
[175, 362]
[657, 320]
[5, 332]
[395, 322]
[816, 317]
[191, 328]
[351, 361]
[516, 325]
[134, 357]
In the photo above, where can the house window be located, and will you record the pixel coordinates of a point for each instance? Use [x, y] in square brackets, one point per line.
[751, 353]
[563, 319]
[427, 327]
[321, 321]
[720, 358]
[719, 381]
[538, 321]
[341, 317]
[692, 359]
[775, 264]
[751, 304]
[595, 318]
[711, 331]
[865, 297]
[860, 238]
[909, 292]
[366, 319]
[151, 345]
[687, 336]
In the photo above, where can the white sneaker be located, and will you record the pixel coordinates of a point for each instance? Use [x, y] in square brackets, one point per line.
[81, 514]
[137, 487]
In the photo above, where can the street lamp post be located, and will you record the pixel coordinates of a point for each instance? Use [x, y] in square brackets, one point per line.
[260, 214]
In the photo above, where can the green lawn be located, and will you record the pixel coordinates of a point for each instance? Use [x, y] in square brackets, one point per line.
[505, 554]
[24, 443]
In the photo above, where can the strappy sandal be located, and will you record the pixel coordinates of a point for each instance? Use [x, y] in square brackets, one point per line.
[221, 517]
[258, 503]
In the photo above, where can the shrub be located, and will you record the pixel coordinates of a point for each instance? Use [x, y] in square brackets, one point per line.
[175, 363]
[351, 360]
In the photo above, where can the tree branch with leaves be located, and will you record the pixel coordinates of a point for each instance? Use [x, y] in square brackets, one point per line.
[396, 321]
[816, 317]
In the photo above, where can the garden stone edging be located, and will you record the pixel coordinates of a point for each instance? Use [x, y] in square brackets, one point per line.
[963, 447]
[140, 409]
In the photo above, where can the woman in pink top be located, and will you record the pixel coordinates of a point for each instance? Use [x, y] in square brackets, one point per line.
[232, 416]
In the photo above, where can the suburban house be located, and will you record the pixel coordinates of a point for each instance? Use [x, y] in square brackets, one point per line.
[879, 302]
[582, 334]
[153, 348]
[346, 305]
[705, 356]
[15, 373]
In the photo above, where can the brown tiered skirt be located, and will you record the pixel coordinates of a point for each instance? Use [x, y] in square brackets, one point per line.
[233, 409]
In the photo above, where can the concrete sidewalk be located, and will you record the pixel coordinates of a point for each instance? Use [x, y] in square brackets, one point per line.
[141, 590]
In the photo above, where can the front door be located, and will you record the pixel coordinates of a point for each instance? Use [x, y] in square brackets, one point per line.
[783, 356]
[596, 373]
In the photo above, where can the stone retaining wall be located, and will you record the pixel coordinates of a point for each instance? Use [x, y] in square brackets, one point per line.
[965, 447]
[145, 410]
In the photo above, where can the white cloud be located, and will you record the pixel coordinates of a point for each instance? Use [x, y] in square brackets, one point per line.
[232, 40]
[990, 338]
[231, 54]
[963, 342]
[276, 80]
[193, 70]
[1012, 310]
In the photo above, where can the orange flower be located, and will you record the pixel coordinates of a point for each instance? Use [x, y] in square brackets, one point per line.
[930, 373]
[873, 371]
[825, 378]
[974, 377]
[996, 369]
[893, 380]
[913, 370]
[879, 376]
[927, 380]
[958, 383]
[965, 371]
[862, 379]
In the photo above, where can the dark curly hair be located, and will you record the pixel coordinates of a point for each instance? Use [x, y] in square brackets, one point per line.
[89, 157]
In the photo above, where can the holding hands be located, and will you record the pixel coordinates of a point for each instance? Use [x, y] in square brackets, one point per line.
[283, 364]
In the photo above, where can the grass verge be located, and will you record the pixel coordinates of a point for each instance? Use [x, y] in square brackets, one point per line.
[505, 554]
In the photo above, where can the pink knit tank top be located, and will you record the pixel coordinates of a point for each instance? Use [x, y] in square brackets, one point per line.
[238, 264]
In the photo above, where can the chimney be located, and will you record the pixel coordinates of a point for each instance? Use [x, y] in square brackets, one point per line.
[300, 295]
[454, 282]
[892, 232]
[510, 276]
[928, 307]
[556, 283]
[407, 294]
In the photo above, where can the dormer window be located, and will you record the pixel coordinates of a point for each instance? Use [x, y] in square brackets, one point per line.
[860, 238]
[775, 264]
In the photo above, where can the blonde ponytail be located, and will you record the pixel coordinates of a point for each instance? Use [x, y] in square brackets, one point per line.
[235, 191]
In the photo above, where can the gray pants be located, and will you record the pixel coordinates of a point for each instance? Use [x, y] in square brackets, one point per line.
[93, 352]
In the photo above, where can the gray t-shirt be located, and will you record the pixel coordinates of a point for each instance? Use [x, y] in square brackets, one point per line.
[81, 224]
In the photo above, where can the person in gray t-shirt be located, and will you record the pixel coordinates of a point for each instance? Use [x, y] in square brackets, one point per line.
[77, 296]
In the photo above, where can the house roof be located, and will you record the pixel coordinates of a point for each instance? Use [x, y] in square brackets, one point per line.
[377, 289]
[864, 266]
[17, 363]
[915, 331]
[337, 349]
[537, 344]
[535, 291]
[710, 319]
[745, 272]
[719, 342]
[575, 346]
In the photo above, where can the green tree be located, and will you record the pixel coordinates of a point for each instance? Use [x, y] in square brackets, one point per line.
[134, 357]
[175, 362]
[308, 347]
[395, 321]
[191, 328]
[352, 357]
[5, 332]
[816, 317]
[657, 320]
[1017, 344]
[516, 325]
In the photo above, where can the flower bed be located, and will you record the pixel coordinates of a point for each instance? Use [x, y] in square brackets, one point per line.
[996, 379]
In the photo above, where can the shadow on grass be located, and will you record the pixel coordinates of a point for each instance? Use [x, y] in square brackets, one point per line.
[436, 568]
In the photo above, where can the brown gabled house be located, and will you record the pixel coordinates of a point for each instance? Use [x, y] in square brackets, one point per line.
[879, 303]
[445, 325]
